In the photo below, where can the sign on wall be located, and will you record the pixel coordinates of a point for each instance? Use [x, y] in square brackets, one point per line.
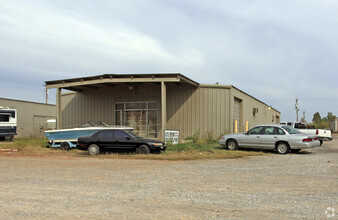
[172, 136]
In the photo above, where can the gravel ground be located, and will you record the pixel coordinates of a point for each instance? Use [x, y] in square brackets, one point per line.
[292, 186]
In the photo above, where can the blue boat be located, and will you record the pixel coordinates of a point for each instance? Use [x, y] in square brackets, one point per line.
[67, 138]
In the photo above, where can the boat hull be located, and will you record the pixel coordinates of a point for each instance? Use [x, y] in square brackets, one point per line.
[57, 137]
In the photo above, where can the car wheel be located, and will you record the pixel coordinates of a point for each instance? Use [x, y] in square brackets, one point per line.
[295, 150]
[143, 149]
[232, 145]
[283, 148]
[321, 142]
[93, 149]
[65, 146]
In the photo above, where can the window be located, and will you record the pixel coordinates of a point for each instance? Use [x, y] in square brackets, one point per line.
[136, 105]
[268, 130]
[105, 134]
[4, 118]
[300, 125]
[120, 134]
[291, 130]
[256, 130]
[280, 131]
[142, 116]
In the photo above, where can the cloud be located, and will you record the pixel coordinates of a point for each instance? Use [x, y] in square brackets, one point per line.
[49, 43]
[285, 47]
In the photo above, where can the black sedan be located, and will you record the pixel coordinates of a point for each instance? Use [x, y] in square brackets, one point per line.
[118, 140]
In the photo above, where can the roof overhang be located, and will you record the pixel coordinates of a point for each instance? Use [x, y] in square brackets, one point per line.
[106, 80]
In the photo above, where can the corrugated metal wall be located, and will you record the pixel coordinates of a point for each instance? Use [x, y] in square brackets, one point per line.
[98, 105]
[197, 109]
[32, 117]
[204, 109]
[263, 116]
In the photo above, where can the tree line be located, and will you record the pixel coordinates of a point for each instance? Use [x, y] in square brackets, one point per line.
[322, 122]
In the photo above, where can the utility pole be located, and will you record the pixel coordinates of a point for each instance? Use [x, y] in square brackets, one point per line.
[297, 108]
[46, 93]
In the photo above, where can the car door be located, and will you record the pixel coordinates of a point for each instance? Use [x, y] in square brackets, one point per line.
[251, 139]
[271, 136]
[105, 138]
[123, 141]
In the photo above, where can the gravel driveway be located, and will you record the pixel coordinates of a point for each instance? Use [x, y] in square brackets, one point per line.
[292, 186]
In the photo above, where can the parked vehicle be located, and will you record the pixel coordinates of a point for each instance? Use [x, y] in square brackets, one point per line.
[282, 138]
[323, 135]
[8, 123]
[118, 140]
[67, 138]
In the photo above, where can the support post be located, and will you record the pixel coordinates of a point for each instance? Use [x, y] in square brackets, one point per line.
[246, 126]
[46, 95]
[58, 109]
[235, 126]
[163, 107]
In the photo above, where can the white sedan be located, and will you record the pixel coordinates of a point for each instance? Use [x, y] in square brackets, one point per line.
[282, 138]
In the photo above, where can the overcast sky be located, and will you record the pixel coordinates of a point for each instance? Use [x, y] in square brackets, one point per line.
[276, 51]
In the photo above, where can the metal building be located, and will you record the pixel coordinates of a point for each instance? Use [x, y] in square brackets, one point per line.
[334, 126]
[31, 116]
[153, 103]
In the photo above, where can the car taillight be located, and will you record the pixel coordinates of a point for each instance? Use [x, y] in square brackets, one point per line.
[317, 132]
[307, 139]
[315, 139]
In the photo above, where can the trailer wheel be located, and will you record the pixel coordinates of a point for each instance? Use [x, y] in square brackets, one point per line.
[65, 146]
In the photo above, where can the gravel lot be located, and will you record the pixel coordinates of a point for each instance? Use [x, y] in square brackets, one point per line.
[292, 186]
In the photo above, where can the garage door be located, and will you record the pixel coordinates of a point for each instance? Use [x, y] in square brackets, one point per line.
[237, 113]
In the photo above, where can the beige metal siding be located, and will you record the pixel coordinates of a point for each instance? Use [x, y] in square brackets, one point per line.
[32, 117]
[263, 116]
[98, 104]
[195, 109]
[190, 109]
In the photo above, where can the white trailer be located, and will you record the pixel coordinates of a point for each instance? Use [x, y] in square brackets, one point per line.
[8, 123]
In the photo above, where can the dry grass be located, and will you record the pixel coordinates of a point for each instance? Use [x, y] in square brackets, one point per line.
[189, 151]
[187, 155]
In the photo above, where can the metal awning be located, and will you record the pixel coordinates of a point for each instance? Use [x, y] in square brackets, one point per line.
[109, 80]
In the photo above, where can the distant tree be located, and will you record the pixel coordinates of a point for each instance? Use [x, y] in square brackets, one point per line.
[330, 117]
[316, 118]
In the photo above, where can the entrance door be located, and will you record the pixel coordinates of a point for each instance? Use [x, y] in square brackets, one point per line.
[142, 116]
[137, 120]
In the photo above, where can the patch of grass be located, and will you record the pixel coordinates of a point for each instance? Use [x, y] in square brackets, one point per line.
[32, 147]
[188, 151]
[184, 151]
[199, 147]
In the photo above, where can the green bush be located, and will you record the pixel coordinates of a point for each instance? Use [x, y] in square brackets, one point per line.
[210, 138]
[195, 138]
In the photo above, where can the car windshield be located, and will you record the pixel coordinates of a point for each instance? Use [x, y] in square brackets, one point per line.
[94, 124]
[291, 130]
[132, 134]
